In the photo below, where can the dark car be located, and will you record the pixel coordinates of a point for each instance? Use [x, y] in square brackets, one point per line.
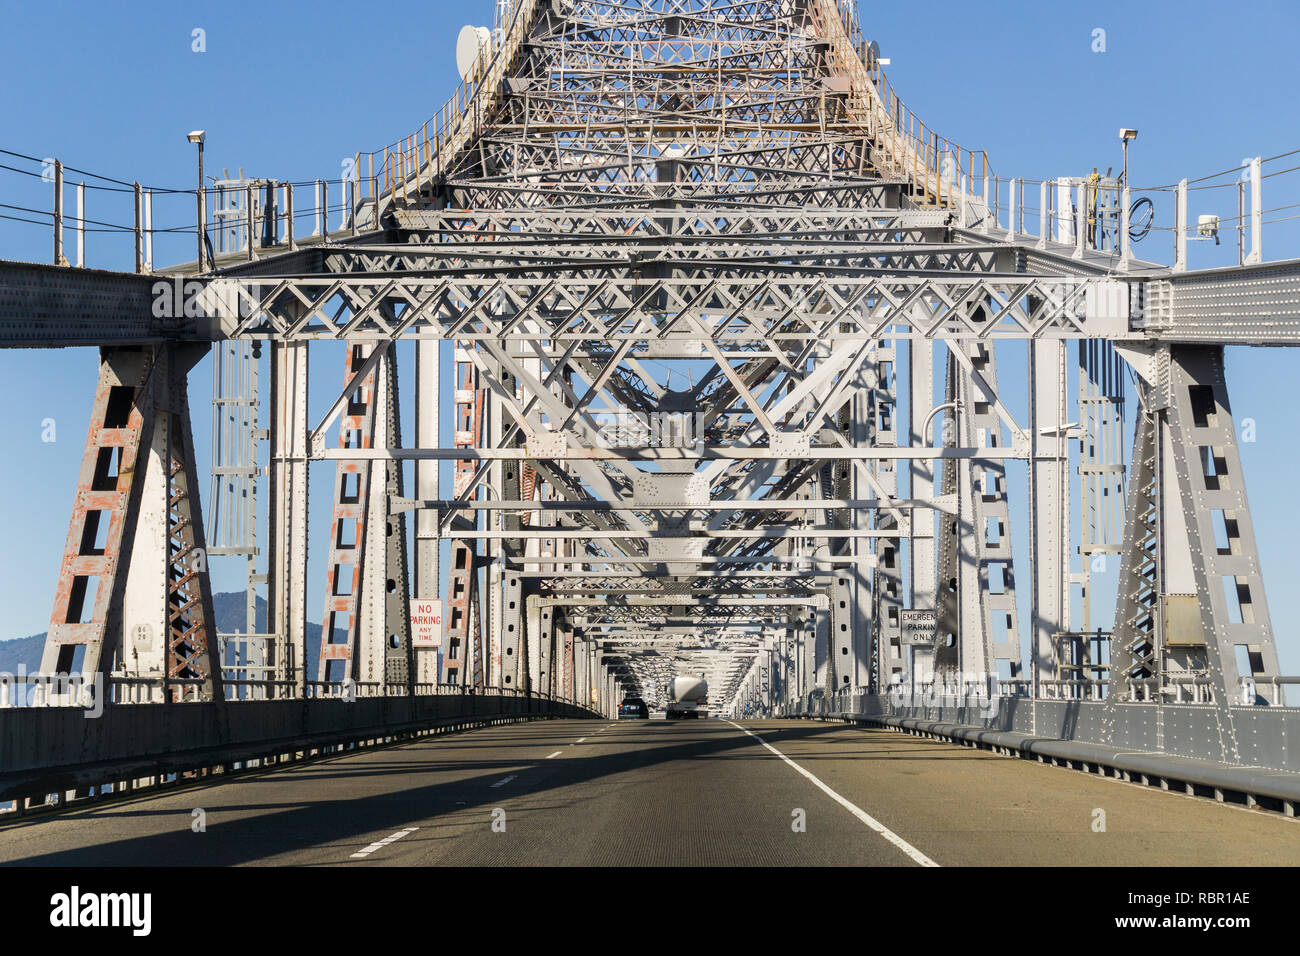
[634, 708]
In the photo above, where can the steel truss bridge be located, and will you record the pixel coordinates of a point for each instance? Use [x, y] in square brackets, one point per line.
[706, 328]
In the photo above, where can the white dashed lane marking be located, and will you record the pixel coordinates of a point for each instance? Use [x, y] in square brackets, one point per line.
[362, 854]
[556, 754]
[502, 783]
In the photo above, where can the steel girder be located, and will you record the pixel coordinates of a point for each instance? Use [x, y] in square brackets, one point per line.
[625, 306]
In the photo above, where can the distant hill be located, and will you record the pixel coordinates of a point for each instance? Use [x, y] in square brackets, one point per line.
[20, 651]
[231, 613]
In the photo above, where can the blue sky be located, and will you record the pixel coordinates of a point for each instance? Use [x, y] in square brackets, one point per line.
[287, 90]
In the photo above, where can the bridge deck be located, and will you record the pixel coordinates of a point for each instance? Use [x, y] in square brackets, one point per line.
[655, 793]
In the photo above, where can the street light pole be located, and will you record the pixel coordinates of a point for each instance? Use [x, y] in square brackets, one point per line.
[197, 137]
[1127, 136]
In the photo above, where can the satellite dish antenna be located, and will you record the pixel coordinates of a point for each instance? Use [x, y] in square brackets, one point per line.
[873, 54]
[470, 45]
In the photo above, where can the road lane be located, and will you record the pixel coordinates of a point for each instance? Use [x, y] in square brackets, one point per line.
[968, 807]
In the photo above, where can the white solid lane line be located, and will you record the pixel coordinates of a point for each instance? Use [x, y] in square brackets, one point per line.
[556, 754]
[857, 811]
[502, 783]
[362, 854]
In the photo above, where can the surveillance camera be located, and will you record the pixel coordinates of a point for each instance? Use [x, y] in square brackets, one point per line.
[1128, 134]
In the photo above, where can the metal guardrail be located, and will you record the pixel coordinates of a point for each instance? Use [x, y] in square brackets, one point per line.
[26, 691]
[1230, 732]
[933, 163]
[1253, 786]
[403, 166]
[120, 749]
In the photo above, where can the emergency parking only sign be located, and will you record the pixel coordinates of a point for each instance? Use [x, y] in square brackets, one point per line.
[918, 627]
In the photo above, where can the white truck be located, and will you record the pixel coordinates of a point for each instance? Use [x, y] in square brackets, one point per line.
[687, 697]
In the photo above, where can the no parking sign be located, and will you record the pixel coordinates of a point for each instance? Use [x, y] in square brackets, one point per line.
[426, 623]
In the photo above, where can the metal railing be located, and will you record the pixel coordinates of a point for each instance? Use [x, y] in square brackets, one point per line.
[1230, 210]
[907, 145]
[76, 690]
[101, 222]
[1191, 688]
[402, 167]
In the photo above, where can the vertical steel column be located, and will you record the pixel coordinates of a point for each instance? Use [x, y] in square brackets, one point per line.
[949, 622]
[878, 412]
[133, 586]
[542, 641]
[388, 556]
[567, 688]
[1101, 462]
[1136, 648]
[1220, 535]
[990, 508]
[341, 654]
[921, 557]
[462, 605]
[1049, 514]
[193, 651]
[428, 383]
[287, 547]
[487, 647]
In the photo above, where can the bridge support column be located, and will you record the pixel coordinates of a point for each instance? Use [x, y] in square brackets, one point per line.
[510, 668]
[1049, 515]
[877, 625]
[428, 383]
[919, 658]
[287, 547]
[504, 481]
[994, 579]
[546, 649]
[581, 665]
[350, 626]
[786, 665]
[392, 579]
[565, 644]
[533, 631]
[133, 588]
[1192, 603]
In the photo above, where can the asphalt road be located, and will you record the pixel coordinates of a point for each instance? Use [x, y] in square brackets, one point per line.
[656, 793]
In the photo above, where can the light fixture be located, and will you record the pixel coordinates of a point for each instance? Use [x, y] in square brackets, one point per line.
[1127, 136]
